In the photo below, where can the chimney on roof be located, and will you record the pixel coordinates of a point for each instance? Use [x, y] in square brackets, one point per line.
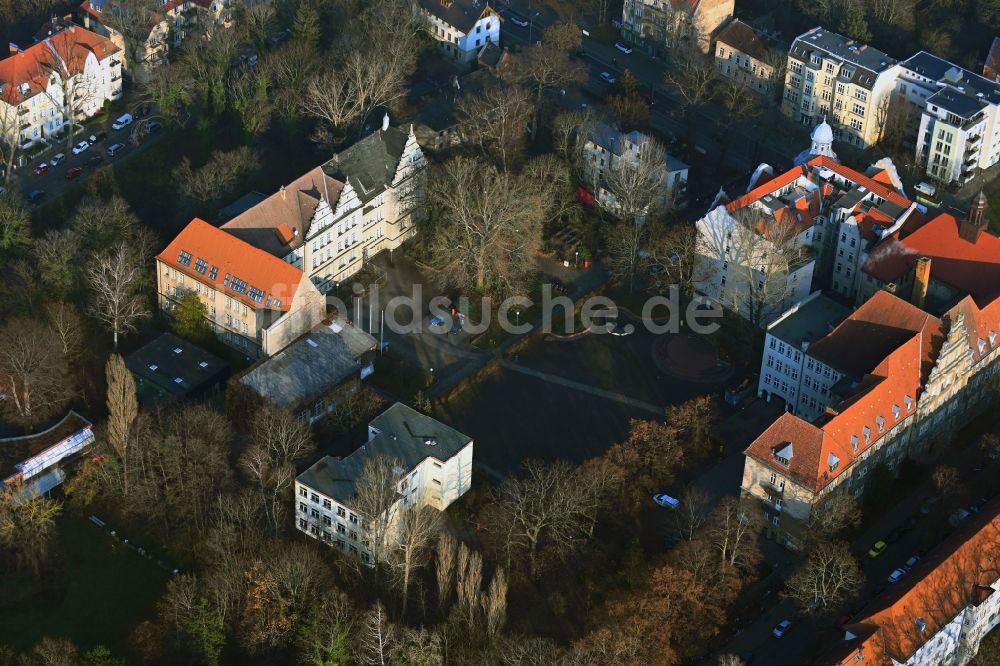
[282, 192]
[921, 281]
[971, 228]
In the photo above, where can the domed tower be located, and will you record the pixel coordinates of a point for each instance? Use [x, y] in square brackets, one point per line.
[822, 141]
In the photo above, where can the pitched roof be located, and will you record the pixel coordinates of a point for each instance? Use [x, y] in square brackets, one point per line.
[370, 164]
[310, 366]
[460, 14]
[973, 268]
[860, 342]
[844, 48]
[280, 223]
[403, 433]
[65, 51]
[744, 39]
[232, 266]
[807, 446]
[880, 189]
[960, 572]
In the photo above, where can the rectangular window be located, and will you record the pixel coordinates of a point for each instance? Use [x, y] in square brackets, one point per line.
[341, 512]
[354, 519]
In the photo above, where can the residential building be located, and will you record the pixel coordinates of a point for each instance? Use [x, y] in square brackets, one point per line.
[606, 149]
[787, 371]
[938, 613]
[747, 57]
[316, 372]
[332, 220]
[434, 469]
[171, 368]
[32, 465]
[959, 112]
[655, 26]
[939, 262]
[461, 27]
[67, 77]
[833, 78]
[932, 379]
[254, 301]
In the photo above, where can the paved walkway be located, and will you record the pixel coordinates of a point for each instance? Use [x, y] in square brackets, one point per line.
[577, 386]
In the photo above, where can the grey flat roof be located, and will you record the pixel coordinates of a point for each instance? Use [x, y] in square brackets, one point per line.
[160, 363]
[844, 48]
[961, 104]
[813, 320]
[403, 433]
[311, 365]
[966, 93]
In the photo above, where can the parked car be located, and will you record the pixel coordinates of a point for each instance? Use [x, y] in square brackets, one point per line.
[42, 168]
[782, 628]
[123, 121]
[929, 504]
[623, 48]
[114, 148]
[73, 173]
[57, 159]
[621, 330]
[897, 574]
[607, 78]
[35, 196]
[153, 126]
[99, 136]
[80, 147]
[666, 501]
[912, 562]
[95, 160]
[877, 549]
[518, 20]
[958, 517]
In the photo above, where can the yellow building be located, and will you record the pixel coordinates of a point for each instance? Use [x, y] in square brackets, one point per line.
[656, 25]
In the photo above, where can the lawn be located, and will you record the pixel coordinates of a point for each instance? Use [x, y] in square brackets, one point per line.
[109, 589]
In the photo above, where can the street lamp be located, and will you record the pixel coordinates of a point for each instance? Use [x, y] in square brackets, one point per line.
[517, 312]
[576, 260]
[531, 24]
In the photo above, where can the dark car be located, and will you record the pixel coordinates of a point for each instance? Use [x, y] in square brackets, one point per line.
[96, 160]
[73, 173]
[35, 196]
[41, 169]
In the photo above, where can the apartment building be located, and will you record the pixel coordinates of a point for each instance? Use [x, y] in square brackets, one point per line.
[939, 262]
[333, 219]
[747, 57]
[66, 77]
[606, 149]
[254, 301]
[831, 77]
[434, 469]
[931, 383]
[959, 112]
[939, 612]
[655, 26]
[461, 27]
[787, 370]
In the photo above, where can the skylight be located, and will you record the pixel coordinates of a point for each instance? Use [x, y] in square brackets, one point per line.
[184, 259]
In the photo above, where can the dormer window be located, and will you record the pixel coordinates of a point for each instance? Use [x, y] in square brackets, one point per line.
[783, 454]
[854, 443]
[880, 422]
[993, 338]
[895, 412]
[909, 403]
[982, 345]
[833, 462]
[868, 434]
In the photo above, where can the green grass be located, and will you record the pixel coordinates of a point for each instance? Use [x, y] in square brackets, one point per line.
[108, 590]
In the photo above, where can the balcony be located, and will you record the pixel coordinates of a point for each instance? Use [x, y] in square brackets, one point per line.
[21, 110]
[115, 62]
[775, 489]
[25, 126]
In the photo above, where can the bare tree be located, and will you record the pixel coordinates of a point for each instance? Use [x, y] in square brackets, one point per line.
[729, 660]
[376, 500]
[27, 527]
[469, 583]
[376, 637]
[272, 481]
[249, 93]
[896, 119]
[733, 528]
[693, 79]
[33, 371]
[134, 19]
[123, 409]
[637, 182]
[286, 439]
[71, 90]
[548, 66]
[218, 177]
[55, 256]
[829, 576]
[10, 142]
[624, 245]
[568, 130]
[495, 603]
[496, 121]
[67, 325]
[835, 512]
[415, 530]
[693, 511]
[674, 247]
[444, 568]
[255, 22]
[485, 238]
[169, 88]
[290, 68]
[114, 277]
[945, 478]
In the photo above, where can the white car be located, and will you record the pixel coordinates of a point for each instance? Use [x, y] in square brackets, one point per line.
[517, 20]
[666, 501]
[57, 159]
[897, 574]
[782, 628]
[123, 121]
[80, 147]
[624, 49]
[607, 78]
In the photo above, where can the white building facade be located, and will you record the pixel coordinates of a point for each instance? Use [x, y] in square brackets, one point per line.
[461, 27]
[434, 470]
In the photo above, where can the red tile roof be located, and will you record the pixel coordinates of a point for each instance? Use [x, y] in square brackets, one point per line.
[36, 63]
[958, 573]
[973, 268]
[880, 189]
[230, 258]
